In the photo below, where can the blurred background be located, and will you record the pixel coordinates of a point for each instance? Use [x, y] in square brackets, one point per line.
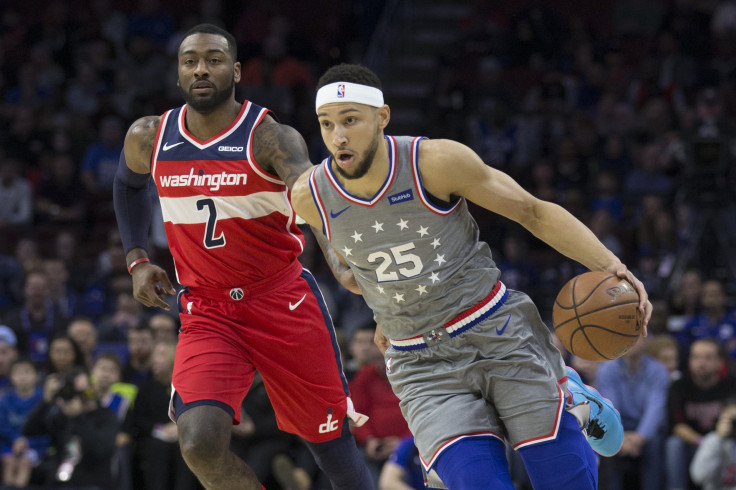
[621, 111]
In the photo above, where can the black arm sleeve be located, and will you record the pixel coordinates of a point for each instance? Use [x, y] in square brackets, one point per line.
[132, 206]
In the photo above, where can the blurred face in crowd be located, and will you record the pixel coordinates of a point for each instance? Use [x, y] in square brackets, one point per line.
[83, 332]
[140, 344]
[23, 377]
[712, 297]
[105, 373]
[162, 361]
[704, 363]
[164, 328]
[61, 354]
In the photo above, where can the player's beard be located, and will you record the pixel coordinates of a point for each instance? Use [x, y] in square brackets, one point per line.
[364, 165]
[208, 104]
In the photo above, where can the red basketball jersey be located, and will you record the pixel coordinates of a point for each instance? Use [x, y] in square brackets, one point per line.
[228, 222]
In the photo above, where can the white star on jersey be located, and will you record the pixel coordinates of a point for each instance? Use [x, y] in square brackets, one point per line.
[358, 237]
[399, 298]
[380, 289]
[403, 224]
[377, 226]
[440, 259]
[421, 289]
[347, 252]
[435, 243]
[434, 277]
[422, 231]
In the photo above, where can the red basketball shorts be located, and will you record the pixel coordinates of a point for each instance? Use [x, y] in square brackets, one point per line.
[285, 333]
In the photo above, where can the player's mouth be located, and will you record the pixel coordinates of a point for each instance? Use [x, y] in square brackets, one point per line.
[202, 87]
[344, 158]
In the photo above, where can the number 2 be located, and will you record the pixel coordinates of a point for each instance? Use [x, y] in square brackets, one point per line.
[209, 239]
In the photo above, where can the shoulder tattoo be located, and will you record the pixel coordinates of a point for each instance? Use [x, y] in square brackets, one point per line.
[281, 149]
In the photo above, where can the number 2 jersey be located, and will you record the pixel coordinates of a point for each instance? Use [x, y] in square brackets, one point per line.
[418, 261]
[228, 222]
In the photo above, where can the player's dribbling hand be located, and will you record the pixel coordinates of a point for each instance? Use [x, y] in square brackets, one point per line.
[151, 285]
[645, 306]
[381, 340]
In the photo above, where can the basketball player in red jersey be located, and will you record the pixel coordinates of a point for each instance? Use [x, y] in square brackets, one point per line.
[223, 170]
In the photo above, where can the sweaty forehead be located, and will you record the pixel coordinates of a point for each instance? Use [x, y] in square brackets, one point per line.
[203, 42]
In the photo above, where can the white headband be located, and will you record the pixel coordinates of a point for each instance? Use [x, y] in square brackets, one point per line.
[349, 92]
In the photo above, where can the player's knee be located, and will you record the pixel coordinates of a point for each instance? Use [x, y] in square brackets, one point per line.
[204, 437]
[477, 462]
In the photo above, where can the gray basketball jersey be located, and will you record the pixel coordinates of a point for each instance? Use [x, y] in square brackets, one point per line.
[419, 262]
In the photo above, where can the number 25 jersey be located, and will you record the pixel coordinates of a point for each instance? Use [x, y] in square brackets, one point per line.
[228, 222]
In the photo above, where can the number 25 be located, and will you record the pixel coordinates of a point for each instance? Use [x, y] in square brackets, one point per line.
[399, 257]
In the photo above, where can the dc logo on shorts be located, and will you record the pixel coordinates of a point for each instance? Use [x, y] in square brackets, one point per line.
[340, 90]
[236, 294]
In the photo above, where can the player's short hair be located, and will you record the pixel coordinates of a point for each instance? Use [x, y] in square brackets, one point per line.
[232, 44]
[346, 72]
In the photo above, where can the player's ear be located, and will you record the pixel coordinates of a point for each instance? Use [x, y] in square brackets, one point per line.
[236, 71]
[383, 114]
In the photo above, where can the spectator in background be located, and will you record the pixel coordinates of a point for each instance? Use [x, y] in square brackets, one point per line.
[67, 249]
[11, 282]
[361, 348]
[64, 356]
[165, 327]
[714, 463]
[693, 405]
[715, 319]
[16, 195]
[66, 299]
[128, 313]
[84, 333]
[663, 347]
[140, 346]
[106, 372]
[637, 384]
[37, 321]
[403, 469]
[82, 433]
[685, 301]
[61, 197]
[26, 252]
[155, 434]
[101, 158]
[20, 454]
[386, 426]
[8, 354]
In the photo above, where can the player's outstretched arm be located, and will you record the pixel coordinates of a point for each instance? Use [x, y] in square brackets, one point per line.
[450, 169]
[280, 149]
[133, 212]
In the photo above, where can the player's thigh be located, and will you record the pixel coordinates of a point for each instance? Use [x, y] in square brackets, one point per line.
[210, 367]
[297, 354]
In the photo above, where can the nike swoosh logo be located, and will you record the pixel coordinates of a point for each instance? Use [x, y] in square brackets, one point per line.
[500, 332]
[168, 146]
[334, 215]
[294, 306]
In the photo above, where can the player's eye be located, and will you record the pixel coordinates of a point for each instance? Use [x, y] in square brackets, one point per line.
[350, 120]
[325, 124]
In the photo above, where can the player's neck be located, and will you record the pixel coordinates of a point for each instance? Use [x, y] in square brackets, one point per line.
[206, 125]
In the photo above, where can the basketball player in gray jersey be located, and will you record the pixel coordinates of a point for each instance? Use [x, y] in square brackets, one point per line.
[471, 361]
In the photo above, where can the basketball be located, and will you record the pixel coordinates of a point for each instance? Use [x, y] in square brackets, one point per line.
[596, 316]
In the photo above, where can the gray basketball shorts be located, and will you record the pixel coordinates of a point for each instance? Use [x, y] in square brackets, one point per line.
[502, 378]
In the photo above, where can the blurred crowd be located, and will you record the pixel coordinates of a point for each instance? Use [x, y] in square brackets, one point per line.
[624, 117]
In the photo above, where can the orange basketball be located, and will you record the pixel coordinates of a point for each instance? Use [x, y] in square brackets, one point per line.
[596, 316]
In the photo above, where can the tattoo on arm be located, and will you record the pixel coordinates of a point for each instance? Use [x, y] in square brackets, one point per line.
[280, 149]
[333, 260]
